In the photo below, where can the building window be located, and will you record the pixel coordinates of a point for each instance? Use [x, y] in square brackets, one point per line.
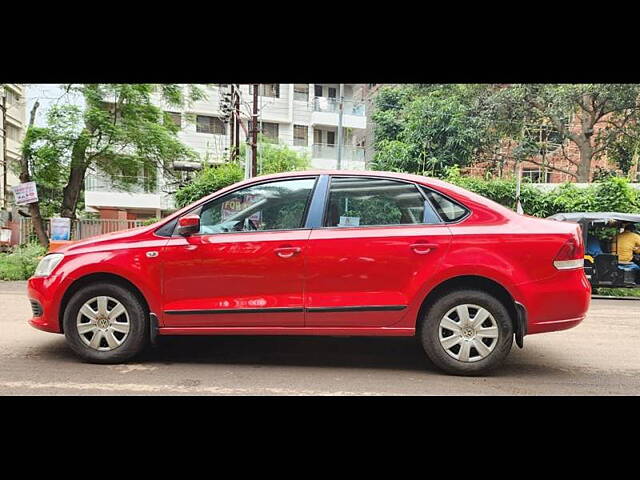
[300, 135]
[269, 90]
[332, 92]
[317, 89]
[12, 97]
[213, 125]
[331, 138]
[536, 175]
[13, 133]
[301, 91]
[270, 130]
[176, 117]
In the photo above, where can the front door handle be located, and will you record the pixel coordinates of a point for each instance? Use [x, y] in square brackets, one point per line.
[287, 252]
[423, 248]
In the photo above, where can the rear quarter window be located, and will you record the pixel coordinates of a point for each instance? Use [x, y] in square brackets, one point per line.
[449, 210]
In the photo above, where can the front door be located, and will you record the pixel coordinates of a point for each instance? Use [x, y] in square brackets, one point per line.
[364, 266]
[245, 266]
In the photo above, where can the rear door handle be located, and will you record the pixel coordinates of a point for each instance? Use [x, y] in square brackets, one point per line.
[287, 252]
[423, 248]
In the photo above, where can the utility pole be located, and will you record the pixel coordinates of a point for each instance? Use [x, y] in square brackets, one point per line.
[254, 133]
[236, 106]
[340, 112]
[232, 124]
[5, 195]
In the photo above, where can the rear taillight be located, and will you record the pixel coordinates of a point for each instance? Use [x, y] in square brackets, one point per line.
[570, 256]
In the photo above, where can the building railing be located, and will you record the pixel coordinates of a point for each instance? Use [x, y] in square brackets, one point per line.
[120, 183]
[330, 151]
[80, 228]
[332, 105]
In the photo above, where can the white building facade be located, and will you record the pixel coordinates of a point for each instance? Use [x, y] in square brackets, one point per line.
[12, 128]
[305, 117]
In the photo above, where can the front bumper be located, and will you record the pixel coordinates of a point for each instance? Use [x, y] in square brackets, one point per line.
[46, 292]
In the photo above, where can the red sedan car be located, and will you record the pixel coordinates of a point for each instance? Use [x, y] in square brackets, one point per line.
[322, 253]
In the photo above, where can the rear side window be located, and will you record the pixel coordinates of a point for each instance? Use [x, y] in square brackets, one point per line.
[361, 201]
[448, 210]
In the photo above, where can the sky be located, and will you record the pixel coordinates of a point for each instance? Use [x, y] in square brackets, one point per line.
[47, 94]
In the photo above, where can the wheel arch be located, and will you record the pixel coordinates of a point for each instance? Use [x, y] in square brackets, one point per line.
[516, 310]
[93, 278]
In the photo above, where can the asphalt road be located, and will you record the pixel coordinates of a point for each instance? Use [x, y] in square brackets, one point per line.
[599, 357]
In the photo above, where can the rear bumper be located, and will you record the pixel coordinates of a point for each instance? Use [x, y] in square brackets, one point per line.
[556, 303]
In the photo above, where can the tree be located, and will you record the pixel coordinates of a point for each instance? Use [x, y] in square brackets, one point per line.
[273, 158]
[426, 128]
[25, 176]
[119, 131]
[574, 111]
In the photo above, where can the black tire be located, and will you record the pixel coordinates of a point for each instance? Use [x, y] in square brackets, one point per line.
[137, 338]
[429, 332]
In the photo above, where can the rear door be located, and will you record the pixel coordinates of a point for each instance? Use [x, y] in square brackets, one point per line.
[367, 260]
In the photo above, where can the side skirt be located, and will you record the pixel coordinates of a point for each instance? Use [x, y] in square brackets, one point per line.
[335, 331]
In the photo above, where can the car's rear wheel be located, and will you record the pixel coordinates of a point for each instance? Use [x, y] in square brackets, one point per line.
[466, 332]
[106, 324]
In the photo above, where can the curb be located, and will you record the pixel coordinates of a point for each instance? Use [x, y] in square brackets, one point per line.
[604, 297]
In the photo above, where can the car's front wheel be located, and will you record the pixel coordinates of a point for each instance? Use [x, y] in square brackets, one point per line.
[106, 324]
[466, 332]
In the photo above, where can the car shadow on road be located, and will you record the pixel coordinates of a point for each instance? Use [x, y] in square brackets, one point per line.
[400, 353]
[403, 354]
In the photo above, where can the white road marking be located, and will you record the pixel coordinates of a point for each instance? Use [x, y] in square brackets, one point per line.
[142, 388]
[132, 367]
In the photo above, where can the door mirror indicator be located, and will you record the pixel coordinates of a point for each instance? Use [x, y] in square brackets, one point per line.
[188, 225]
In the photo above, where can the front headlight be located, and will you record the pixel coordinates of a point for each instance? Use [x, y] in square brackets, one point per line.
[47, 264]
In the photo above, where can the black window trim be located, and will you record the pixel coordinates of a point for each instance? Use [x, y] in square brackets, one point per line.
[198, 208]
[374, 177]
[445, 221]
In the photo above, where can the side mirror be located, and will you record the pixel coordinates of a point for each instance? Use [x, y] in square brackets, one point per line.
[188, 225]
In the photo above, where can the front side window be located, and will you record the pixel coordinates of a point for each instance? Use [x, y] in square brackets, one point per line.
[268, 206]
[356, 201]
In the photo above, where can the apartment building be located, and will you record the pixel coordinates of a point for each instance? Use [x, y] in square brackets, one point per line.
[305, 117]
[12, 130]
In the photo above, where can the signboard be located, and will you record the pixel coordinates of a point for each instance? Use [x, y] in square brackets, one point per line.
[25, 193]
[238, 204]
[60, 228]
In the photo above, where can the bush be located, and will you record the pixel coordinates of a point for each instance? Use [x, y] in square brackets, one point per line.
[210, 180]
[21, 263]
[611, 194]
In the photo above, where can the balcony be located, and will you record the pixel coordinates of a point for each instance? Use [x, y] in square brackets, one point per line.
[102, 191]
[326, 156]
[325, 112]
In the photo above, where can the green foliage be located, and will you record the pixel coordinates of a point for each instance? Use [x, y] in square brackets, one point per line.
[210, 180]
[428, 128]
[374, 211]
[21, 263]
[118, 131]
[618, 292]
[273, 158]
[613, 194]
